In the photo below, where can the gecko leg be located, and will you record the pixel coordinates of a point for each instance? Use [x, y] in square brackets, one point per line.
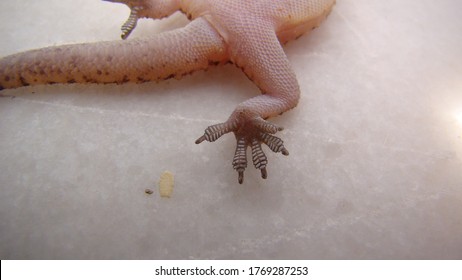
[249, 133]
[268, 67]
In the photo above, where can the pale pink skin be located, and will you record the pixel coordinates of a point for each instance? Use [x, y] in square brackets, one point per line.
[247, 33]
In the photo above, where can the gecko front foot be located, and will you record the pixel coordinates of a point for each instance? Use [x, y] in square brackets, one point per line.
[251, 133]
[130, 23]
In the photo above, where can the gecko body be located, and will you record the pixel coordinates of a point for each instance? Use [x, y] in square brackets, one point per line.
[246, 33]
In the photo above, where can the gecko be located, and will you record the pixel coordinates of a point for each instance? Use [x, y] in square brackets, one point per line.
[246, 33]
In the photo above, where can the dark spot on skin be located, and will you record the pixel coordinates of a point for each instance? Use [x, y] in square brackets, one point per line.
[106, 73]
[88, 80]
[213, 63]
[125, 79]
[71, 81]
[141, 80]
[34, 73]
[196, 60]
[42, 72]
[72, 64]
[35, 80]
[187, 73]
[170, 76]
[7, 78]
[51, 82]
[99, 72]
[23, 81]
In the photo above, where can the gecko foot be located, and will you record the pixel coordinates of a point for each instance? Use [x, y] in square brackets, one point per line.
[250, 134]
[130, 24]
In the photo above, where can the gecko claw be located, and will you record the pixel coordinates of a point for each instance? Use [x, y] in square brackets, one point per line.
[264, 174]
[240, 178]
[200, 139]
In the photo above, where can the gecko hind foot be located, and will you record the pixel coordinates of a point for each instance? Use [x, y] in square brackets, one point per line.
[252, 134]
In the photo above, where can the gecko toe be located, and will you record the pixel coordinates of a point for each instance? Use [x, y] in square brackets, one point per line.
[213, 132]
[130, 24]
[274, 143]
[266, 126]
[259, 158]
[240, 159]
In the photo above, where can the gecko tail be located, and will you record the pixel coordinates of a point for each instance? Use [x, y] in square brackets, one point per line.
[162, 56]
[80, 63]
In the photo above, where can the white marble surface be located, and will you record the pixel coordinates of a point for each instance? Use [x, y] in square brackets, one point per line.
[375, 169]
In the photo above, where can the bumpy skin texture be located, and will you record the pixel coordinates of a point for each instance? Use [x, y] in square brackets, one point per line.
[246, 33]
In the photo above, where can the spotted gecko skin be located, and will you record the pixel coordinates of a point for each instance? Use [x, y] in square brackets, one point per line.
[246, 33]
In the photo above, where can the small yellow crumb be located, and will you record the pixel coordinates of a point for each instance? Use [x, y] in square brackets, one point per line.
[166, 184]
